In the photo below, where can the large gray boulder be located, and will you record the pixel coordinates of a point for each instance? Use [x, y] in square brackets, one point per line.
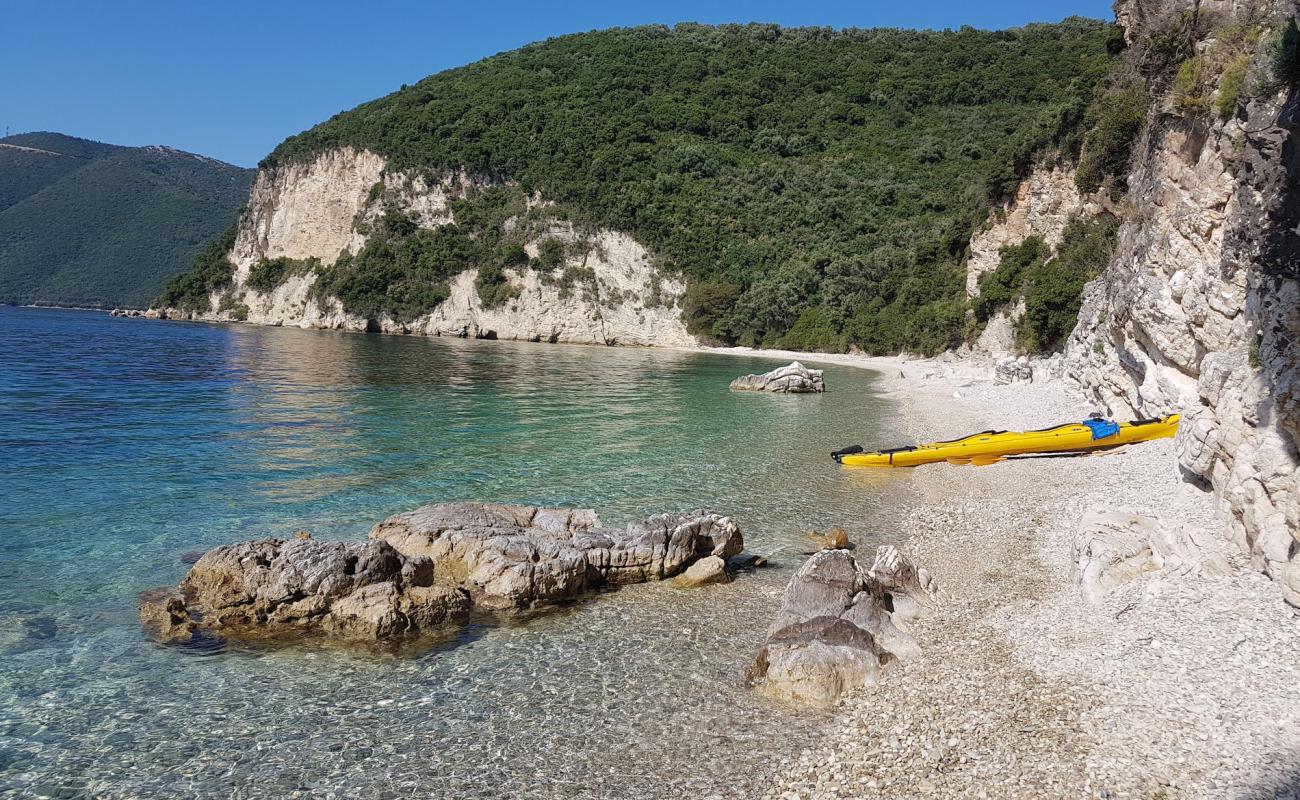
[518, 557]
[357, 590]
[793, 378]
[840, 622]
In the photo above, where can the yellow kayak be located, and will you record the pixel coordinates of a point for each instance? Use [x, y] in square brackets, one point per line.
[989, 447]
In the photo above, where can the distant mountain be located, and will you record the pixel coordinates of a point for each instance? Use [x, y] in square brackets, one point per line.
[94, 224]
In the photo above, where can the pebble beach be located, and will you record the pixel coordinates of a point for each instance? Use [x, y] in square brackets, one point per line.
[1178, 683]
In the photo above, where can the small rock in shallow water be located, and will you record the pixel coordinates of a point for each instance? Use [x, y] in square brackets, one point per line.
[703, 572]
[794, 378]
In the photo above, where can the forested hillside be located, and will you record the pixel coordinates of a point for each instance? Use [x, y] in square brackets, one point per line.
[818, 187]
[86, 223]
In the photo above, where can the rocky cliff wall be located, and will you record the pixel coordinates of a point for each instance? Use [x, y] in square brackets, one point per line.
[1199, 309]
[321, 208]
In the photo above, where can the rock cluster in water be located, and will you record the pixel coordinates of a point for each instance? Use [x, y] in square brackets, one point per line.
[517, 557]
[840, 622]
[424, 568]
[793, 378]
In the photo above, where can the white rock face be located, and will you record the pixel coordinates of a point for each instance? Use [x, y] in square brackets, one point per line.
[1044, 203]
[306, 210]
[322, 208]
[1199, 312]
[1113, 547]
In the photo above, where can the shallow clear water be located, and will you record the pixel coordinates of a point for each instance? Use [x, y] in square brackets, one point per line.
[129, 443]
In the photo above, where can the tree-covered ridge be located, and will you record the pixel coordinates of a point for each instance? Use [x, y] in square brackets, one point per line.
[808, 180]
[88, 223]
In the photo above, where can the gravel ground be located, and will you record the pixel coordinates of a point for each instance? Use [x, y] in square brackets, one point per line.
[1173, 686]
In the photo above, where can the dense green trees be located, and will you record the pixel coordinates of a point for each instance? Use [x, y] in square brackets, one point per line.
[85, 223]
[817, 187]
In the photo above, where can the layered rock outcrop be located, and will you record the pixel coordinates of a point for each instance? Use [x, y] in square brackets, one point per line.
[1114, 547]
[320, 208]
[516, 557]
[840, 622]
[794, 378]
[1199, 310]
[428, 567]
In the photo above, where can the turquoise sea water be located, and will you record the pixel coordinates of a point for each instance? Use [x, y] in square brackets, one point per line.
[129, 443]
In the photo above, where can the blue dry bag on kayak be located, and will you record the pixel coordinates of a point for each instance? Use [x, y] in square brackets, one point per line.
[1101, 428]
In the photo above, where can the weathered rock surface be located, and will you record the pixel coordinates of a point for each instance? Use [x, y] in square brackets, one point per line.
[1199, 309]
[1114, 547]
[358, 590]
[839, 623]
[430, 566]
[1044, 204]
[1013, 370]
[324, 206]
[794, 378]
[518, 557]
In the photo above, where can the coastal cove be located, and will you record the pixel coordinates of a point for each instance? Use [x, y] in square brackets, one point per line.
[165, 439]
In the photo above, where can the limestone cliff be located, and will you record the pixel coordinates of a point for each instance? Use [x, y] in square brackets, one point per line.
[324, 207]
[1199, 309]
[1043, 205]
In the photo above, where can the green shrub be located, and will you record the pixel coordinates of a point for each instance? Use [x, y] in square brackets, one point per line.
[1284, 55]
[212, 271]
[403, 271]
[706, 304]
[493, 288]
[1054, 288]
[1108, 145]
[1230, 85]
[815, 331]
[267, 274]
[550, 254]
[1194, 86]
[1006, 284]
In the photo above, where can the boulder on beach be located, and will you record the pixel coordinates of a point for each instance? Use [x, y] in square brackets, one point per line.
[355, 590]
[518, 557]
[1013, 370]
[794, 378]
[840, 622]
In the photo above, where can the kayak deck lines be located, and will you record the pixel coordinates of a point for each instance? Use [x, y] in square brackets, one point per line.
[992, 446]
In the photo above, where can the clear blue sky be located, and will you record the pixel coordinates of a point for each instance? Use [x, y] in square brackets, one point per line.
[231, 78]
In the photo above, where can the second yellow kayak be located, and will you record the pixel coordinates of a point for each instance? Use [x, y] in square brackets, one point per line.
[990, 447]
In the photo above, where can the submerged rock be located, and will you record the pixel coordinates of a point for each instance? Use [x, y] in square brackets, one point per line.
[833, 539]
[359, 590]
[794, 378]
[839, 623]
[517, 557]
[712, 569]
